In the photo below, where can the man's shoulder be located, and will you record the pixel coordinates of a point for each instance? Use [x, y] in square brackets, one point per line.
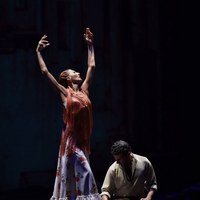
[141, 158]
[114, 166]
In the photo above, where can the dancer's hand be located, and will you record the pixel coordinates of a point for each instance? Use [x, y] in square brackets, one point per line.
[43, 43]
[88, 36]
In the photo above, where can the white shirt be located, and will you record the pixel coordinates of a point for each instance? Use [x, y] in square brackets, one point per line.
[143, 179]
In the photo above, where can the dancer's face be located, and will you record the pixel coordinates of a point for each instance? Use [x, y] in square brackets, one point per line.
[74, 76]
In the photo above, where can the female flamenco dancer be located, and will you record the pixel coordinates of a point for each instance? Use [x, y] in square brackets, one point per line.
[74, 177]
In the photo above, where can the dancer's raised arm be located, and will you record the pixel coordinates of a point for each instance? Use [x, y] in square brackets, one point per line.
[88, 36]
[42, 44]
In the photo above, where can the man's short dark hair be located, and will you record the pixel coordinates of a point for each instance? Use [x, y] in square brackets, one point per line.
[120, 147]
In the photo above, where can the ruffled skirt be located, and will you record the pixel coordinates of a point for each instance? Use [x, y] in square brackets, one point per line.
[74, 178]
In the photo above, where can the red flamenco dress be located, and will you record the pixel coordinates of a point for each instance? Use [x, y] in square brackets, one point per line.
[74, 178]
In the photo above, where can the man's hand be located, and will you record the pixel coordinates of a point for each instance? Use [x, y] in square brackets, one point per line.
[104, 197]
[147, 198]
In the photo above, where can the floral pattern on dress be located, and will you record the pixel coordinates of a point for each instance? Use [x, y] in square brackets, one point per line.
[74, 178]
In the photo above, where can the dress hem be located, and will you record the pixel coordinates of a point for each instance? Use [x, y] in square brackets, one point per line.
[80, 197]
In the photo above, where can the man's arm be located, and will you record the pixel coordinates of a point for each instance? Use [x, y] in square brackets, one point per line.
[108, 185]
[151, 181]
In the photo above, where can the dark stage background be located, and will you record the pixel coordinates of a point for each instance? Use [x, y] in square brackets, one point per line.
[138, 93]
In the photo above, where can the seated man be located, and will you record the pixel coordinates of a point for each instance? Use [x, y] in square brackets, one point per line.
[131, 176]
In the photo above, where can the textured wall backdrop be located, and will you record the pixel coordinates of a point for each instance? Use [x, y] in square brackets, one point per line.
[138, 90]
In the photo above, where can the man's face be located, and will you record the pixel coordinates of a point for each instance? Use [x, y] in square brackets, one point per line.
[121, 159]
